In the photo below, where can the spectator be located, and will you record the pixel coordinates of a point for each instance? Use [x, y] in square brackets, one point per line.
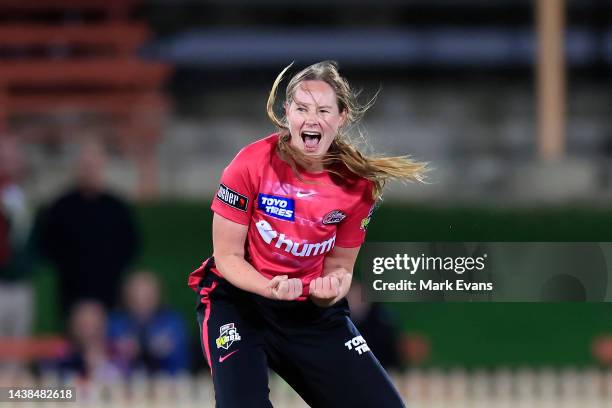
[16, 255]
[147, 336]
[377, 327]
[5, 242]
[89, 355]
[89, 234]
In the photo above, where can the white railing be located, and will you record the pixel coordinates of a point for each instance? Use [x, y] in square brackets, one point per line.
[432, 388]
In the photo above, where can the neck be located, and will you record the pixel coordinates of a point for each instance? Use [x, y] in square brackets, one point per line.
[315, 168]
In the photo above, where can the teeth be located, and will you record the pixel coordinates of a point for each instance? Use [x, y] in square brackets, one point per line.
[314, 134]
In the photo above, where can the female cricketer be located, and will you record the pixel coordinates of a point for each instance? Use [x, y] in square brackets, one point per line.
[289, 217]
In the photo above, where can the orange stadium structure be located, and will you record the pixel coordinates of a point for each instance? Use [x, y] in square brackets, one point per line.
[31, 348]
[86, 70]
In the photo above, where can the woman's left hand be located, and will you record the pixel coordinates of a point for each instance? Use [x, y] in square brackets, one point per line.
[325, 290]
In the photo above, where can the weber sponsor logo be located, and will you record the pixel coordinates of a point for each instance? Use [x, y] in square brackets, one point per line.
[232, 198]
[276, 206]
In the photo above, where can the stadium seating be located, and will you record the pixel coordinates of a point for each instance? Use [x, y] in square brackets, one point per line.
[85, 70]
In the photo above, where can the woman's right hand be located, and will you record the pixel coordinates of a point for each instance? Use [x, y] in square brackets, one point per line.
[282, 288]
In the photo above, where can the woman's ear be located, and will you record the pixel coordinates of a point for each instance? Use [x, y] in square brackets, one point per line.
[343, 118]
[286, 106]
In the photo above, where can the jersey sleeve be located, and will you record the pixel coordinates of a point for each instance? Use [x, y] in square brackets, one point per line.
[352, 231]
[235, 196]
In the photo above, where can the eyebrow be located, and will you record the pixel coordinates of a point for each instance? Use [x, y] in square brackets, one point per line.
[308, 104]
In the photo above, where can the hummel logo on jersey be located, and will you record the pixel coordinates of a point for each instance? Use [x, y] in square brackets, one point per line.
[277, 206]
[295, 248]
[232, 198]
[358, 344]
[228, 334]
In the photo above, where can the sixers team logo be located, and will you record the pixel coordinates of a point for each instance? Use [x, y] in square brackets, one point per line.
[228, 334]
[333, 217]
[279, 207]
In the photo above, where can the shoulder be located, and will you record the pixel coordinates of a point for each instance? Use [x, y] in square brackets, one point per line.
[63, 202]
[258, 150]
[250, 160]
[113, 200]
[361, 193]
[355, 185]
[364, 193]
[68, 196]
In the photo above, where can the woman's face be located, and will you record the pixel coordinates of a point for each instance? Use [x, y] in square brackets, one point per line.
[314, 118]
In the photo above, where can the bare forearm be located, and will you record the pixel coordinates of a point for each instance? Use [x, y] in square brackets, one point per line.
[241, 274]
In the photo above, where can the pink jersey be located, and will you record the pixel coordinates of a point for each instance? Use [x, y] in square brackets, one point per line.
[292, 223]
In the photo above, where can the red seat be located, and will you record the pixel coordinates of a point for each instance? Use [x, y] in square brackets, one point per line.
[119, 37]
[92, 72]
[32, 348]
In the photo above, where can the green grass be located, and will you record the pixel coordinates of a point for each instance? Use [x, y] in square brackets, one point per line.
[177, 239]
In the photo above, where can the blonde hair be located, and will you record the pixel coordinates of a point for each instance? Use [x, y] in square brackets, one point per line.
[343, 150]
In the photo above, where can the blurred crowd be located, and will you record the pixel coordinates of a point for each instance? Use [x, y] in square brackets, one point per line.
[115, 323]
[113, 318]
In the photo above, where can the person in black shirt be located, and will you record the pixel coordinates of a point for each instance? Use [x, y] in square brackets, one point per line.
[89, 235]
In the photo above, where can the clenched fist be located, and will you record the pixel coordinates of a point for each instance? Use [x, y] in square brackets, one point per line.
[325, 289]
[283, 288]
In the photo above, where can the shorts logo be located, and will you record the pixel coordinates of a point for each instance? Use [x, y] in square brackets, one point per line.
[228, 355]
[228, 334]
[358, 344]
[232, 198]
[333, 217]
[278, 207]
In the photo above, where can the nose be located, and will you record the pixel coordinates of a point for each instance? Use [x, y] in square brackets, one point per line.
[312, 118]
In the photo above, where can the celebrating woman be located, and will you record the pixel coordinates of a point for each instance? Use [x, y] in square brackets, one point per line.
[290, 215]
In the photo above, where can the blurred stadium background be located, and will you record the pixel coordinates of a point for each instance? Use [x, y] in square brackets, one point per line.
[509, 100]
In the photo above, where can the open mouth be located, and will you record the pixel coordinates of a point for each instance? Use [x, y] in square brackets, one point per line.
[311, 139]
